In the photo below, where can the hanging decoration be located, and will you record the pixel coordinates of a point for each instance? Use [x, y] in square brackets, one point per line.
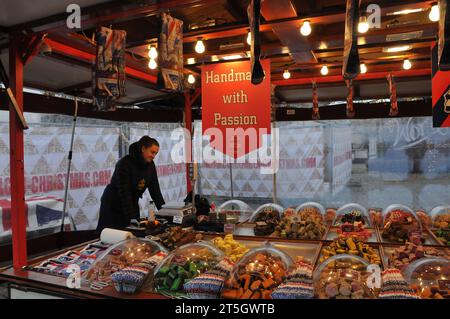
[109, 68]
[350, 91]
[170, 75]
[315, 108]
[444, 35]
[393, 97]
[254, 14]
[351, 65]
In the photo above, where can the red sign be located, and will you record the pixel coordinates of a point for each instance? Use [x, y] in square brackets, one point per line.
[235, 113]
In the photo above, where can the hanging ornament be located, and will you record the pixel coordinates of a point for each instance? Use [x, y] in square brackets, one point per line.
[393, 91]
[350, 109]
[315, 108]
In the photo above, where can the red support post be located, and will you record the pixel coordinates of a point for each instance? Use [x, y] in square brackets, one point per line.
[188, 126]
[16, 145]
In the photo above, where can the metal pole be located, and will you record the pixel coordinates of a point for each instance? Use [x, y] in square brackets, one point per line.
[66, 190]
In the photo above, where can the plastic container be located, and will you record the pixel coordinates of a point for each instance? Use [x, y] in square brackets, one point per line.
[234, 211]
[440, 217]
[401, 224]
[429, 277]
[266, 218]
[347, 209]
[258, 272]
[184, 264]
[342, 277]
[311, 206]
[123, 254]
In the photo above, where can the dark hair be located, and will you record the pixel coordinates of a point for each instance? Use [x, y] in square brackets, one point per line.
[148, 141]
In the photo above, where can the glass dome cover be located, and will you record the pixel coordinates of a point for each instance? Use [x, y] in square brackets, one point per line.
[184, 264]
[352, 212]
[123, 254]
[342, 277]
[430, 277]
[257, 273]
[440, 217]
[311, 206]
[267, 211]
[399, 223]
[236, 211]
[233, 205]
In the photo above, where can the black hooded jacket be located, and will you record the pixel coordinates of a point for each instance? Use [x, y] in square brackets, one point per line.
[120, 200]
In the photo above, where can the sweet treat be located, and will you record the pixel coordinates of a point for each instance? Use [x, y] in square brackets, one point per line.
[257, 274]
[424, 218]
[394, 286]
[376, 216]
[304, 224]
[176, 237]
[400, 224]
[402, 256]
[232, 248]
[442, 222]
[443, 236]
[130, 279]
[210, 284]
[184, 264]
[351, 246]
[430, 278]
[298, 284]
[330, 215]
[342, 277]
[122, 255]
[352, 221]
[266, 219]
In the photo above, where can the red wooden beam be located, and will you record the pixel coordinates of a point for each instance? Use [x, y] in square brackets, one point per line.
[361, 77]
[78, 54]
[18, 214]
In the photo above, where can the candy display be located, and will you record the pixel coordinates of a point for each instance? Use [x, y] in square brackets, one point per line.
[404, 255]
[443, 236]
[342, 277]
[298, 284]
[266, 218]
[210, 284]
[305, 223]
[257, 274]
[376, 216]
[441, 217]
[353, 220]
[399, 225]
[184, 264]
[430, 277]
[176, 236]
[130, 279]
[232, 249]
[330, 215]
[424, 218]
[394, 286]
[84, 258]
[121, 255]
[351, 246]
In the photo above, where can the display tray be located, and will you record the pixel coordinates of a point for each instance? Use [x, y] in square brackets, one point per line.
[307, 249]
[333, 234]
[248, 229]
[387, 250]
[427, 235]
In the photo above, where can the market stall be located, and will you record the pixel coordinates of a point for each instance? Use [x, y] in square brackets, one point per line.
[251, 245]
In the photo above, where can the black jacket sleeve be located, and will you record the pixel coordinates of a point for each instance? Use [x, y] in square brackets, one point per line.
[154, 189]
[125, 189]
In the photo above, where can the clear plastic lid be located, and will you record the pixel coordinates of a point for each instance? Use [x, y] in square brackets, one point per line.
[123, 254]
[311, 207]
[440, 217]
[430, 277]
[234, 205]
[393, 213]
[257, 273]
[352, 212]
[342, 277]
[184, 264]
[267, 211]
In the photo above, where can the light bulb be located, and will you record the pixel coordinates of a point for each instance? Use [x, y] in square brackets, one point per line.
[199, 47]
[191, 79]
[152, 64]
[324, 70]
[407, 64]
[249, 38]
[286, 74]
[152, 53]
[363, 25]
[305, 30]
[363, 68]
[434, 13]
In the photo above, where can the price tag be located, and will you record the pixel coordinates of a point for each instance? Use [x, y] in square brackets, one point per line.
[178, 219]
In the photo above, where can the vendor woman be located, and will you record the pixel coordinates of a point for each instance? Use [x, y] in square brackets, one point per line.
[133, 174]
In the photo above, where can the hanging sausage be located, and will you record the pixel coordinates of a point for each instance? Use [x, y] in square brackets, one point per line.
[350, 92]
[315, 108]
[254, 14]
[444, 35]
[351, 63]
[393, 95]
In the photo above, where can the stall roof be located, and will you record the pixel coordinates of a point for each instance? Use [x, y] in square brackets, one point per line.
[223, 25]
